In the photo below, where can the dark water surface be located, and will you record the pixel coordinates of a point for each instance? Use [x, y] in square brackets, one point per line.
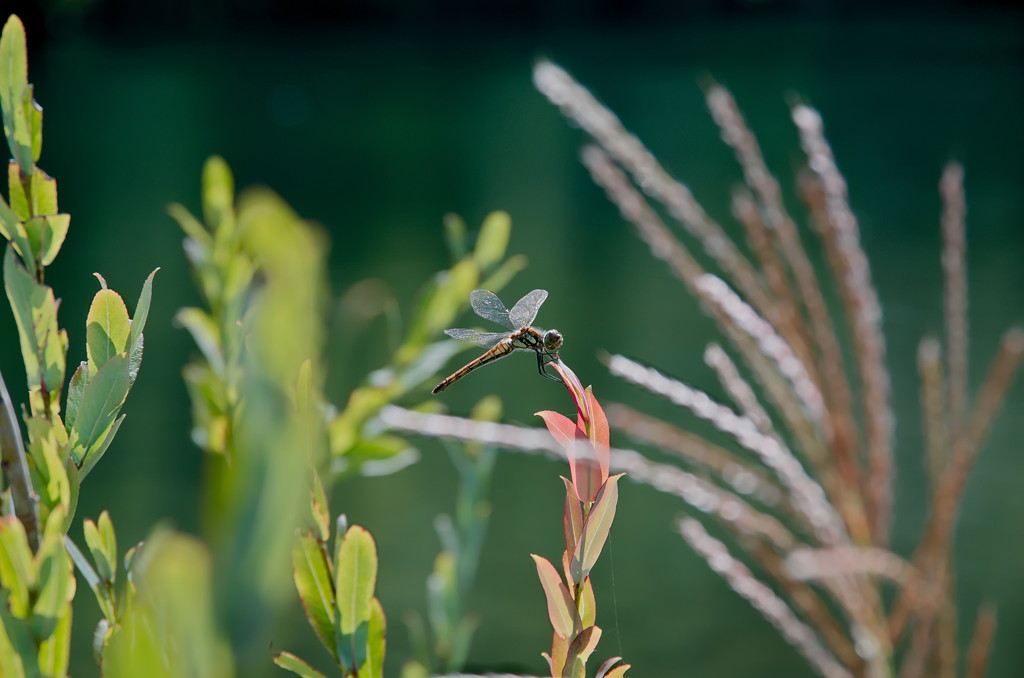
[377, 134]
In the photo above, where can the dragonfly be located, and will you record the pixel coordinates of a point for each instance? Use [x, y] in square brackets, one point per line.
[518, 334]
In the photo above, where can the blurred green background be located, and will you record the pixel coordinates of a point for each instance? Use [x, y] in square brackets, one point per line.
[375, 119]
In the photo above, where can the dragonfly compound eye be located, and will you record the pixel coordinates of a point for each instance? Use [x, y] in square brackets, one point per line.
[552, 340]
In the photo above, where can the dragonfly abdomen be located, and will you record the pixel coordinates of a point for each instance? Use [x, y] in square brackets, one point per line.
[500, 350]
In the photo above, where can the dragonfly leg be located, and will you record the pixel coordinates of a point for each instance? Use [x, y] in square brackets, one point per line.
[543, 358]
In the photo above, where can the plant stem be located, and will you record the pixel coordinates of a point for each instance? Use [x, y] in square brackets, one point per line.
[15, 465]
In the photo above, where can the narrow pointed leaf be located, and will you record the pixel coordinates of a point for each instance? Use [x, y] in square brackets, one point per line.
[600, 434]
[101, 402]
[376, 641]
[55, 650]
[286, 660]
[94, 454]
[13, 84]
[138, 322]
[79, 380]
[17, 651]
[618, 672]
[104, 566]
[597, 526]
[559, 648]
[572, 516]
[356, 577]
[17, 571]
[313, 581]
[493, 240]
[588, 604]
[320, 510]
[56, 578]
[561, 609]
[606, 665]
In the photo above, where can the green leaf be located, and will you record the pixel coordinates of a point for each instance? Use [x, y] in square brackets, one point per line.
[76, 389]
[55, 650]
[504, 274]
[13, 84]
[99, 405]
[356, 577]
[8, 220]
[34, 115]
[438, 307]
[99, 640]
[375, 642]
[44, 193]
[493, 240]
[193, 229]
[561, 608]
[138, 321]
[218, 190]
[96, 453]
[16, 191]
[204, 332]
[313, 581]
[43, 345]
[56, 579]
[74, 484]
[455, 235]
[596, 528]
[53, 234]
[17, 651]
[286, 660]
[107, 329]
[17, 570]
[101, 542]
[320, 509]
[379, 456]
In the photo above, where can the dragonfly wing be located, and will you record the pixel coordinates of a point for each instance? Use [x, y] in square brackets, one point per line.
[525, 310]
[488, 306]
[485, 339]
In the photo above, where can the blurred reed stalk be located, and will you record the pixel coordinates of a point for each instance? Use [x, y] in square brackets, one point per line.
[817, 432]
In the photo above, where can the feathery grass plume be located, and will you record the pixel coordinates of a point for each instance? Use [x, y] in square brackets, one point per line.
[830, 457]
[764, 600]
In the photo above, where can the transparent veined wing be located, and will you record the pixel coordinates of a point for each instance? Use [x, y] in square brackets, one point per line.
[488, 306]
[485, 339]
[525, 310]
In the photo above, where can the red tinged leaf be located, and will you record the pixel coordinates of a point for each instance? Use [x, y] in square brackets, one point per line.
[588, 604]
[561, 608]
[606, 665]
[583, 465]
[596, 528]
[600, 434]
[572, 518]
[559, 648]
[618, 672]
[560, 427]
[583, 645]
[585, 469]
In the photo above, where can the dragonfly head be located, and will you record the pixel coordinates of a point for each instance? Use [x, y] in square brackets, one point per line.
[552, 340]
